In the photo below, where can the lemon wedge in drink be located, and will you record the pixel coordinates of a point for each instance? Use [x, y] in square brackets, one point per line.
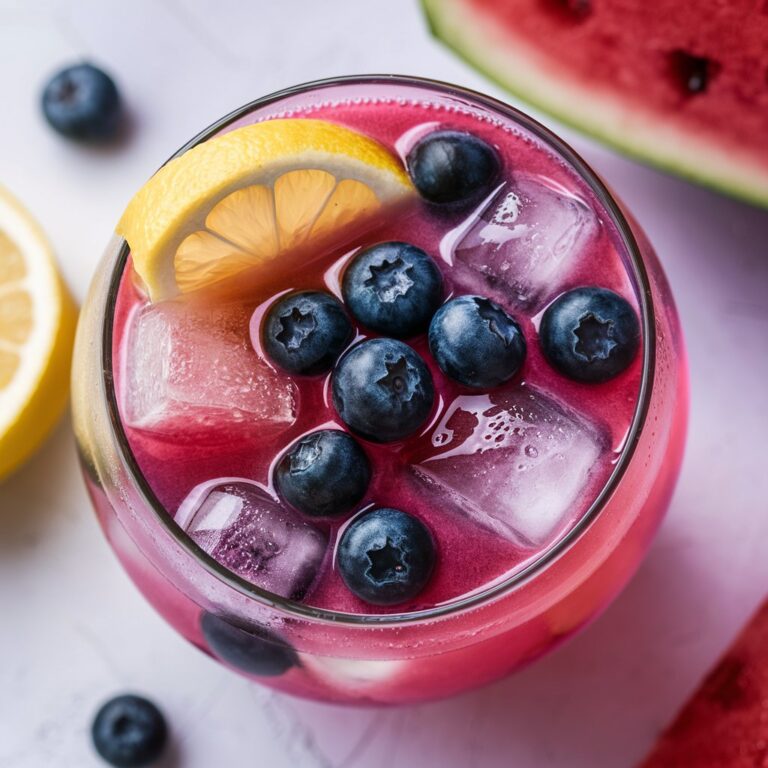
[37, 325]
[253, 195]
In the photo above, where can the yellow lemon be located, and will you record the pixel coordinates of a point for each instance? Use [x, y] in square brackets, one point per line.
[245, 198]
[37, 325]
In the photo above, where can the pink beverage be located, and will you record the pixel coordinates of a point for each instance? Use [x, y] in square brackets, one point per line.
[527, 487]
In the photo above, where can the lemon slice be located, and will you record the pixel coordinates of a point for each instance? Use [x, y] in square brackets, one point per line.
[250, 196]
[37, 325]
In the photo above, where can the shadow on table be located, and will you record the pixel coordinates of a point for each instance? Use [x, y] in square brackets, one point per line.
[126, 132]
[173, 757]
[34, 496]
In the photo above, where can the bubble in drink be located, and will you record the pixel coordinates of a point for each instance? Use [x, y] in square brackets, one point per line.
[193, 369]
[525, 240]
[245, 529]
[512, 461]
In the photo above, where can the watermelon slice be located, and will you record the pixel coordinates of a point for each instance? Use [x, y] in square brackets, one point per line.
[682, 84]
[725, 724]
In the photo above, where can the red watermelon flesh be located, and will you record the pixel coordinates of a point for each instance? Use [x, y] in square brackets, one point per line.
[725, 724]
[680, 83]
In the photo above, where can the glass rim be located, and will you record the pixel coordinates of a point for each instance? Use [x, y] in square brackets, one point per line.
[298, 610]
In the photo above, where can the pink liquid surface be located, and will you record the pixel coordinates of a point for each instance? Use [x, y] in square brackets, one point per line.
[470, 557]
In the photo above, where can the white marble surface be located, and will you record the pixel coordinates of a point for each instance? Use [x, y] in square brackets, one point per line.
[74, 630]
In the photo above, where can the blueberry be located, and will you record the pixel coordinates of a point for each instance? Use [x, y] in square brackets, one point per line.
[386, 556]
[323, 474]
[305, 332]
[382, 390]
[475, 342]
[82, 102]
[129, 731]
[452, 167]
[255, 650]
[590, 334]
[393, 288]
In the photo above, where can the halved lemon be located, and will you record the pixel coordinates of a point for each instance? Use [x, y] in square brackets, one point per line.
[247, 197]
[37, 325]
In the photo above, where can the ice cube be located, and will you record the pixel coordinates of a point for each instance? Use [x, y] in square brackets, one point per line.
[526, 239]
[242, 526]
[514, 461]
[189, 366]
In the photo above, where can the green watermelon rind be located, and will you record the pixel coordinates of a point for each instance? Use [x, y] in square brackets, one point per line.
[457, 27]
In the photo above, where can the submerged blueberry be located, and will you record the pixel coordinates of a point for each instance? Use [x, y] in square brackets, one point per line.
[255, 650]
[452, 167]
[323, 474]
[475, 342]
[129, 731]
[386, 556]
[393, 288]
[304, 333]
[590, 334]
[382, 390]
[82, 102]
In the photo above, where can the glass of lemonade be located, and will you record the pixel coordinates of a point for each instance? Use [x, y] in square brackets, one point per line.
[379, 393]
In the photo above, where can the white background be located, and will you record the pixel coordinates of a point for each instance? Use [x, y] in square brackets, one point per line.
[73, 630]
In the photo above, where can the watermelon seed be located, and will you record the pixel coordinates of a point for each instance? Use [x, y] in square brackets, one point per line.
[692, 73]
[575, 9]
[578, 8]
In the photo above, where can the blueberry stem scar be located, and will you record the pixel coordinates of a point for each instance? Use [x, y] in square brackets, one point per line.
[297, 325]
[594, 337]
[385, 561]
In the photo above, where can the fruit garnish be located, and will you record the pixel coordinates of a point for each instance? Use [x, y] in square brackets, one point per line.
[452, 167]
[253, 195]
[386, 556]
[323, 474]
[304, 333]
[37, 326]
[382, 390]
[393, 288]
[590, 334]
[129, 731]
[475, 342]
[82, 102]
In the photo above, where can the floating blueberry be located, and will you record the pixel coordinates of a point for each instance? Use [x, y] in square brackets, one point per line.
[386, 556]
[82, 102]
[255, 650]
[382, 390]
[393, 288]
[590, 334]
[323, 474]
[452, 167]
[475, 342]
[305, 332]
[129, 731]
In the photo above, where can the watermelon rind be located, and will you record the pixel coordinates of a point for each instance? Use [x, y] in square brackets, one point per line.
[519, 67]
